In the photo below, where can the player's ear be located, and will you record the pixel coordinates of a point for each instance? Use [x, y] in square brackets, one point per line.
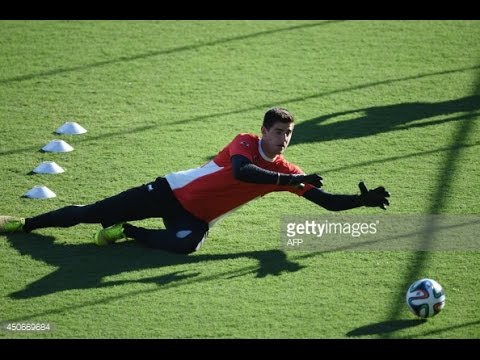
[264, 130]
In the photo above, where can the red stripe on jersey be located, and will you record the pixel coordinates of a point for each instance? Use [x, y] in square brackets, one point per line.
[210, 191]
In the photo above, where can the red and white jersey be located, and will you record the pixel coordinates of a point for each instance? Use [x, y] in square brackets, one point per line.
[210, 191]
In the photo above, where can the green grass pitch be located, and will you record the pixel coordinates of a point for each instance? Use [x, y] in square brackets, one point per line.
[394, 103]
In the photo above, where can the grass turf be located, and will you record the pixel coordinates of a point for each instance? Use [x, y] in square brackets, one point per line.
[385, 101]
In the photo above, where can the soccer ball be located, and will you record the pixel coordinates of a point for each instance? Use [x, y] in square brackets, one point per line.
[425, 298]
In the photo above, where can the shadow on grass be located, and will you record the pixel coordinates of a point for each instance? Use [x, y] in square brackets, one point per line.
[449, 329]
[389, 327]
[385, 327]
[380, 119]
[154, 53]
[447, 171]
[321, 94]
[89, 138]
[307, 131]
[84, 266]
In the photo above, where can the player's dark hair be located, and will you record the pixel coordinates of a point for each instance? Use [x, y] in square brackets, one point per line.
[277, 115]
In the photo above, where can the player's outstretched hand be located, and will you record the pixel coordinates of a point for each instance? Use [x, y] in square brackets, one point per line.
[313, 179]
[373, 198]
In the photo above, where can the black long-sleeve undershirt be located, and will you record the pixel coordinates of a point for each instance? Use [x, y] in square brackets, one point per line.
[245, 170]
[333, 202]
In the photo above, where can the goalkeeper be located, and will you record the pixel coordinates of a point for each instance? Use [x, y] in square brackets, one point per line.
[191, 201]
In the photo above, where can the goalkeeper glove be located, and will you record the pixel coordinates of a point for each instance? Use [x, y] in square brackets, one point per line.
[375, 197]
[299, 179]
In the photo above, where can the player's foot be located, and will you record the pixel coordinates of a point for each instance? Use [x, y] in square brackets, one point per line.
[10, 224]
[109, 235]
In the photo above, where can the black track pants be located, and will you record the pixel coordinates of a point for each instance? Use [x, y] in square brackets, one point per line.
[184, 232]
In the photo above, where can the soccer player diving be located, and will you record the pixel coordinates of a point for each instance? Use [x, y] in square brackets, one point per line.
[191, 201]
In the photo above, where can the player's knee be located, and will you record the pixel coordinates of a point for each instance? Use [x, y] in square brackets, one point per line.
[190, 245]
[182, 249]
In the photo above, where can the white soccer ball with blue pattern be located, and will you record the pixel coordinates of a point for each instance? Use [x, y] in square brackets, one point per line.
[425, 298]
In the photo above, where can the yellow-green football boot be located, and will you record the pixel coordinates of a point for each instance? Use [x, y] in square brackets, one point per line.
[10, 224]
[109, 235]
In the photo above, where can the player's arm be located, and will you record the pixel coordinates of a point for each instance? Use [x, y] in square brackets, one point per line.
[335, 202]
[245, 170]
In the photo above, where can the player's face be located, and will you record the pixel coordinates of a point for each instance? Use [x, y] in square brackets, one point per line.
[276, 139]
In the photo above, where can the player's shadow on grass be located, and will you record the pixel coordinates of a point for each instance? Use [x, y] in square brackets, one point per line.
[84, 266]
[385, 327]
[380, 119]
